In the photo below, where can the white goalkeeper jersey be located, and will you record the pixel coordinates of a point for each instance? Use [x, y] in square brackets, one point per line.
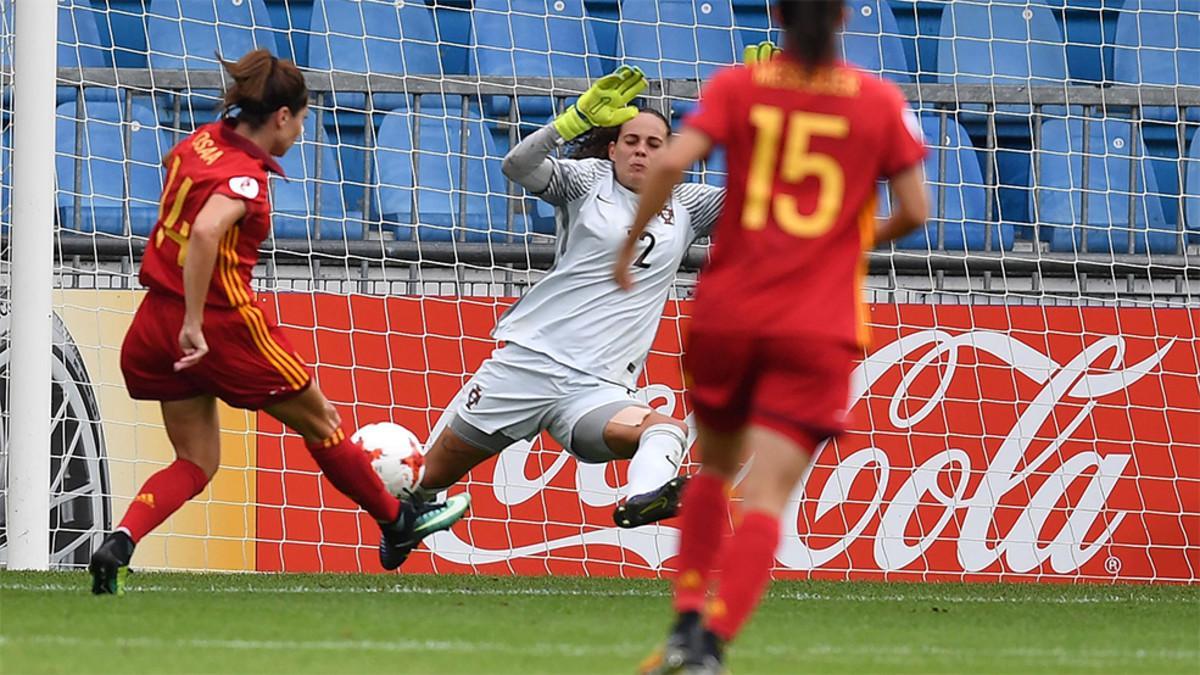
[576, 314]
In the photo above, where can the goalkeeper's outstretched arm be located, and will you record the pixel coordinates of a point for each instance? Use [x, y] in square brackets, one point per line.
[604, 104]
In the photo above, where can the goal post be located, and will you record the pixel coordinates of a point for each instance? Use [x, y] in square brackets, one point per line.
[29, 415]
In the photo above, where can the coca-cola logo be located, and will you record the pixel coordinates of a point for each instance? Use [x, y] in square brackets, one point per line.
[1028, 490]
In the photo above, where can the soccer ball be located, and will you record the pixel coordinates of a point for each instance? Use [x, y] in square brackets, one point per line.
[395, 455]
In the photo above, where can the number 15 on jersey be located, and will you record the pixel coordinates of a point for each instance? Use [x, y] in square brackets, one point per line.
[799, 163]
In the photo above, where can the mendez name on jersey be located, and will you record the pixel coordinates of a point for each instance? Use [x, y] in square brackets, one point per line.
[576, 314]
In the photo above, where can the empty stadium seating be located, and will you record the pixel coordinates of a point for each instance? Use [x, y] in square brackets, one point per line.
[79, 46]
[189, 34]
[957, 197]
[119, 167]
[531, 38]
[871, 40]
[1000, 42]
[359, 37]
[1158, 42]
[449, 204]
[1102, 208]
[1191, 189]
[1007, 42]
[678, 38]
[309, 203]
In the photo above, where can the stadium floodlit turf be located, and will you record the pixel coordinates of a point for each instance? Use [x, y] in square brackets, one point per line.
[460, 624]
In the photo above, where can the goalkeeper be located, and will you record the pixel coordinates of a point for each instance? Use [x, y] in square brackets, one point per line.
[574, 345]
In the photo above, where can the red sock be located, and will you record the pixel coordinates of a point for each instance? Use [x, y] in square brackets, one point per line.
[349, 469]
[705, 520]
[161, 495]
[746, 573]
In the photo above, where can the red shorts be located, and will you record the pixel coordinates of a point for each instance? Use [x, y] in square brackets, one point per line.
[798, 386]
[250, 364]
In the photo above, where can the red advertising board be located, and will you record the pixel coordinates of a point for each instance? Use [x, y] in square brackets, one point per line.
[989, 442]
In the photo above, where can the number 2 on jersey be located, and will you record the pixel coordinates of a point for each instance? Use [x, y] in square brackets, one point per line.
[167, 223]
[641, 263]
[797, 165]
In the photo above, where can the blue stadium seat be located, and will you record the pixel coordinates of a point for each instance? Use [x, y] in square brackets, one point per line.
[872, 40]
[753, 21]
[531, 38]
[350, 36]
[189, 34]
[1191, 187]
[309, 203]
[679, 39]
[1118, 180]
[1006, 42]
[435, 166]
[96, 202]
[79, 46]
[1158, 42]
[957, 198]
[79, 43]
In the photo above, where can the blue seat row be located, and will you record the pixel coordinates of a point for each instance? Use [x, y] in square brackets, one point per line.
[545, 37]
[1152, 40]
[433, 188]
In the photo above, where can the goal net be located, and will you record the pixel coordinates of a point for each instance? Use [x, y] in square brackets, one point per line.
[1029, 406]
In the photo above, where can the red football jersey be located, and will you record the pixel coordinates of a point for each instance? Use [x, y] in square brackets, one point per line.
[213, 160]
[804, 154]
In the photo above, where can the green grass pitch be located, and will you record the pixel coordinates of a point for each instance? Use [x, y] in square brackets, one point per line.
[211, 623]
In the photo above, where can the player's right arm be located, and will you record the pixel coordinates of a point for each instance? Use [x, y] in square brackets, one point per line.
[217, 215]
[910, 205]
[902, 166]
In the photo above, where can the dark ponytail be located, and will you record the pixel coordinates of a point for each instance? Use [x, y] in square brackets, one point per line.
[594, 144]
[263, 84]
[810, 28]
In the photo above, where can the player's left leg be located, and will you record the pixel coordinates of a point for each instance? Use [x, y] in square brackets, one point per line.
[403, 523]
[779, 461]
[195, 433]
[656, 444]
[598, 422]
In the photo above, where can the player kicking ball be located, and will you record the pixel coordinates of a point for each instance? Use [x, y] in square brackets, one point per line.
[573, 345]
[778, 319]
[198, 335]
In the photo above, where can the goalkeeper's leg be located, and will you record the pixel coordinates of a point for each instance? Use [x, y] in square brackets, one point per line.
[655, 445]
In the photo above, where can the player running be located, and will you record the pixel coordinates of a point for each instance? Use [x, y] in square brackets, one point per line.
[198, 335]
[573, 345]
[778, 319]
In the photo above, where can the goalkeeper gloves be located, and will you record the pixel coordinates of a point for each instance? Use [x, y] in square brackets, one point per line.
[604, 104]
[759, 53]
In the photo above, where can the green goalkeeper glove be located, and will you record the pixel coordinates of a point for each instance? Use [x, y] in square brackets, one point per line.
[759, 53]
[604, 104]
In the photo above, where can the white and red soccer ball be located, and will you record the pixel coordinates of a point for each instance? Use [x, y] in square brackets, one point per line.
[395, 455]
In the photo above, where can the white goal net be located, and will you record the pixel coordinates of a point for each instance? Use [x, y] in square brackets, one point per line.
[1029, 407]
